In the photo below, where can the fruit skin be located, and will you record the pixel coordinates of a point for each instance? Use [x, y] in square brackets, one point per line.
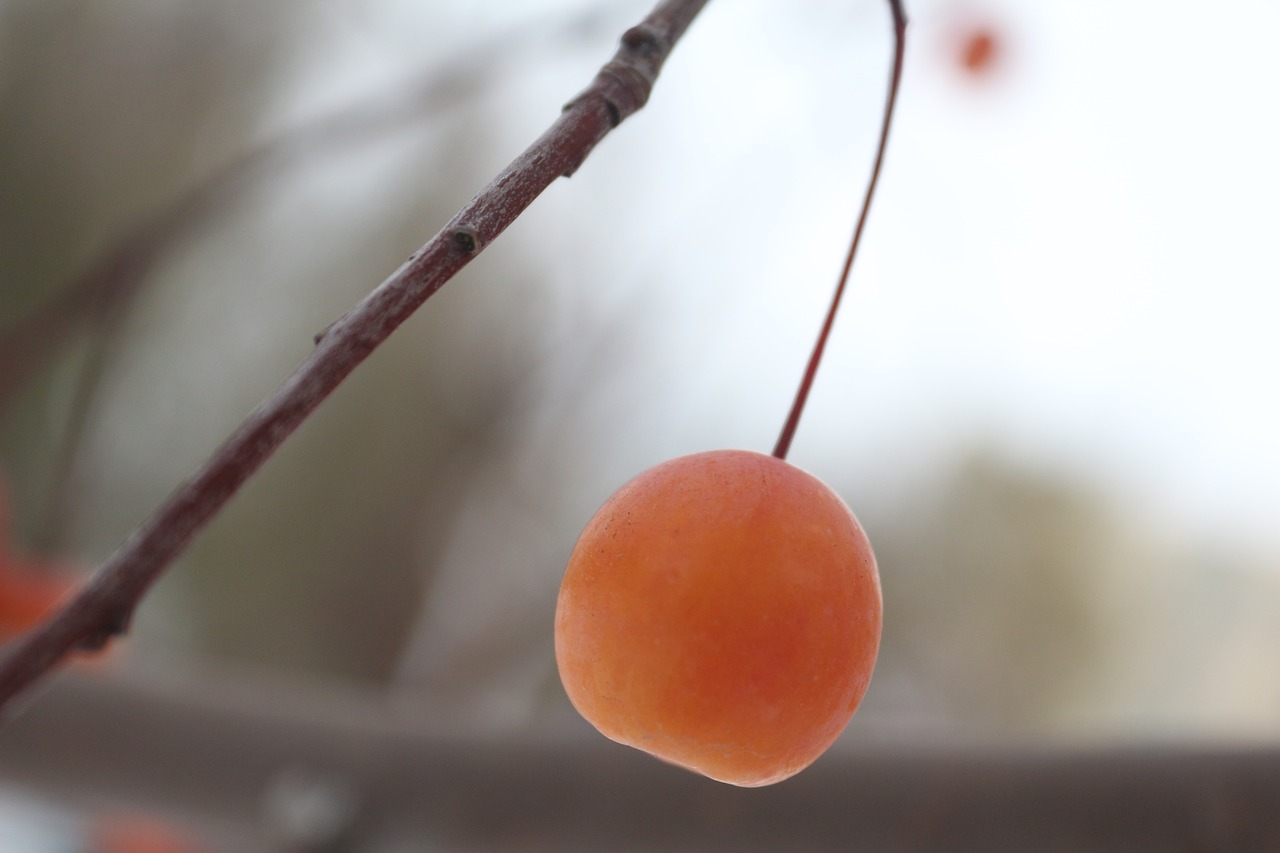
[722, 612]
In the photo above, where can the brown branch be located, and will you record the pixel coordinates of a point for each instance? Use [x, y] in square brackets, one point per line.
[102, 295]
[104, 607]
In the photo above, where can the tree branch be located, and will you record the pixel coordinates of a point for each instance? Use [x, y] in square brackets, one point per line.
[100, 298]
[105, 606]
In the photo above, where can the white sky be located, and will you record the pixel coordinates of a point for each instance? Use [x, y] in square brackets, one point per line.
[1076, 258]
[1124, 183]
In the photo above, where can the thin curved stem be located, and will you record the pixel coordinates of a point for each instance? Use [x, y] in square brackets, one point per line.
[815, 358]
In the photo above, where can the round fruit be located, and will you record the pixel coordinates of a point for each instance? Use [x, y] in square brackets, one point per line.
[721, 611]
[980, 51]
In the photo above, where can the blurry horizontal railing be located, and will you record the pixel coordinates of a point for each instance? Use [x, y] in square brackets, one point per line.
[220, 754]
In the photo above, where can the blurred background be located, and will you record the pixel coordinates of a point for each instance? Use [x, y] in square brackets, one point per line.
[1050, 397]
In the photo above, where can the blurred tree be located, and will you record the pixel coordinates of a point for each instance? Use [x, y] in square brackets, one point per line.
[320, 567]
[106, 111]
[992, 611]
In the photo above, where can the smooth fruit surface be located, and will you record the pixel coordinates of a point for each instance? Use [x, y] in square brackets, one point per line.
[722, 612]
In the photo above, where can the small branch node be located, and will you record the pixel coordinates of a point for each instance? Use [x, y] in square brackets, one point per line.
[320, 335]
[467, 240]
[646, 41]
[635, 83]
[116, 626]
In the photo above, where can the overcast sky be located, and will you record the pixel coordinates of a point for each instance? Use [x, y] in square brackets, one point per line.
[1073, 256]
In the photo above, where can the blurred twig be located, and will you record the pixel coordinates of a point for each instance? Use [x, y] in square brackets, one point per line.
[112, 279]
[101, 296]
[104, 607]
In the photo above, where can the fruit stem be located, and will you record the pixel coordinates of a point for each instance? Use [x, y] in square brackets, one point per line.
[895, 77]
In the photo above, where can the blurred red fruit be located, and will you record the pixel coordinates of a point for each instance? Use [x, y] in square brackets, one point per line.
[29, 588]
[27, 596]
[137, 833]
[979, 51]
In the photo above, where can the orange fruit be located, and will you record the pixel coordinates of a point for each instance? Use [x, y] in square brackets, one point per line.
[722, 612]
